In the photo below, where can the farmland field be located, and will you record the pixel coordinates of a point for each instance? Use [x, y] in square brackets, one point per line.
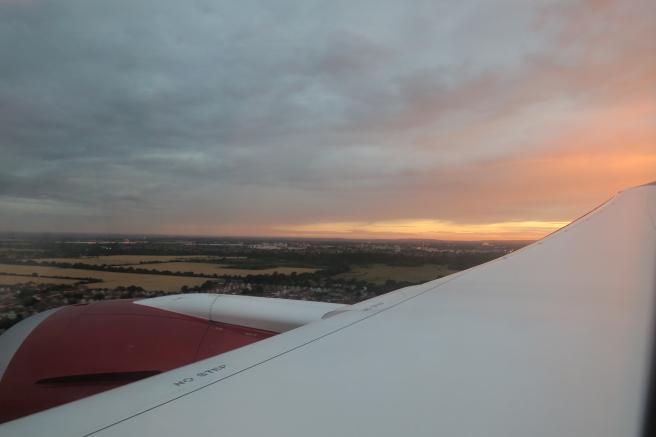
[110, 279]
[373, 273]
[379, 273]
[122, 260]
[10, 280]
[220, 269]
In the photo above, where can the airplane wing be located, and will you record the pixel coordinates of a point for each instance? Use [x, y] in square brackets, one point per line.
[555, 339]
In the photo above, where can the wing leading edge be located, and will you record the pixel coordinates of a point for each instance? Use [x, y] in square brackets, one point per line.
[554, 339]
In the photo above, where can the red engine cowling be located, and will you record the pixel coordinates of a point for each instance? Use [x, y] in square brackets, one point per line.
[84, 349]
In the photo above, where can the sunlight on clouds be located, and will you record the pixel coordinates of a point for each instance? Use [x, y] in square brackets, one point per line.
[338, 121]
[428, 229]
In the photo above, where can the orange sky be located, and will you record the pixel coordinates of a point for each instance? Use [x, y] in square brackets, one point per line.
[436, 120]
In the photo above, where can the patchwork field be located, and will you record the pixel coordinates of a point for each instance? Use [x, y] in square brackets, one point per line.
[110, 279]
[374, 273]
[167, 283]
[210, 269]
[379, 273]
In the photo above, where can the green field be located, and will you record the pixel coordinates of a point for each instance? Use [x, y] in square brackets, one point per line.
[379, 273]
[123, 260]
[222, 269]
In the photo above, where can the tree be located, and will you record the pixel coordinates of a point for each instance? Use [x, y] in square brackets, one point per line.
[30, 301]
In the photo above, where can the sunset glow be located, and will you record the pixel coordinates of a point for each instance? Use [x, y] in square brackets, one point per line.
[476, 120]
[430, 229]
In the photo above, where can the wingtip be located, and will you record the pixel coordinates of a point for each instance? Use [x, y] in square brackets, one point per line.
[646, 185]
[638, 186]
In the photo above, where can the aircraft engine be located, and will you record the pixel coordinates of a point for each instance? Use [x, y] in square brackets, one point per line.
[69, 353]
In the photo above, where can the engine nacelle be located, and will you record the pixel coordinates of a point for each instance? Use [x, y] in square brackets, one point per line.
[77, 351]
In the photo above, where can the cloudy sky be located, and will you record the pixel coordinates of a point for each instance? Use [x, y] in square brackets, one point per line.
[473, 119]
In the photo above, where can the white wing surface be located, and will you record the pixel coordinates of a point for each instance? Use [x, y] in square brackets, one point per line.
[552, 340]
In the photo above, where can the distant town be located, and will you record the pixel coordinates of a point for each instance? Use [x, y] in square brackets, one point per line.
[39, 272]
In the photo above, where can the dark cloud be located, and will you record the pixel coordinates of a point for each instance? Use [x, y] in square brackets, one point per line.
[270, 112]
